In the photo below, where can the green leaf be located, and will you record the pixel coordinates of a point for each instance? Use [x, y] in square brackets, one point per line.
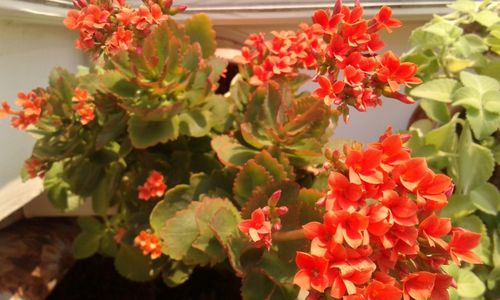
[469, 45]
[467, 96]
[90, 224]
[248, 179]
[487, 18]
[444, 137]
[207, 241]
[180, 232]
[466, 6]
[144, 134]
[458, 206]
[230, 152]
[437, 90]
[58, 191]
[469, 285]
[224, 225]
[176, 199]
[483, 110]
[133, 265]
[486, 198]
[195, 123]
[475, 163]
[480, 82]
[267, 288]
[272, 165]
[436, 111]
[106, 188]
[86, 244]
[114, 82]
[108, 245]
[199, 29]
[176, 274]
[496, 249]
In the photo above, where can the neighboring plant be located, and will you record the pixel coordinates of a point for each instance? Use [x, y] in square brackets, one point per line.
[181, 177]
[458, 58]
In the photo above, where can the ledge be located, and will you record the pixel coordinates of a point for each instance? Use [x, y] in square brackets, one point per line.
[223, 14]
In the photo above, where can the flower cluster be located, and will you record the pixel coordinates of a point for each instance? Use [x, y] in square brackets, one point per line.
[264, 221]
[34, 167]
[111, 26]
[340, 47]
[380, 236]
[149, 244]
[83, 108]
[153, 187]
[31, 103]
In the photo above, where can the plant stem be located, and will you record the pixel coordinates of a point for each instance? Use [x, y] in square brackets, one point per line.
[291, 235]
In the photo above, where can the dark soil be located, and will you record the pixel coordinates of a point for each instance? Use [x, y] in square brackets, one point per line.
[96, 278]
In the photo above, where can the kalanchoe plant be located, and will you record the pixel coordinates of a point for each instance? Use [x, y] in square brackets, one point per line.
[242, 180]
[459, 61]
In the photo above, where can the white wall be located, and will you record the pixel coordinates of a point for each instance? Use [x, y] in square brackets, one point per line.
[27, 54]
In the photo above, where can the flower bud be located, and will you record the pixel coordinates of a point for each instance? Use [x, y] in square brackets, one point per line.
[266, 210]
[277, 226]
[282, 210]
[275, 197]
[321, 202]
[80, 3]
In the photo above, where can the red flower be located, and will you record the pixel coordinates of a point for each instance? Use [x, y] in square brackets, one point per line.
[432, 190]
[410, 173]
[120, 40]
[328, 91]
[441, 285]
[258, 228]
[31, 113]
[363, 166]
[72, 20]
[153, 187]
[343, 194]
[328, 23]
[149, 244]
[348, 227]
[34, 167]
[381, 291]
[433, 228]
[393, 152]
[346, 275]
[461, 245]
[394, 72]
[84, 109]
[312, 272]
[403, 210]
[383, 19]
[419, 285]
[147, 16]
[353, 76]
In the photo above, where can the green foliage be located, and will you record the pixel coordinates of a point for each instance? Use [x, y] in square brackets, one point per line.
[458, 59]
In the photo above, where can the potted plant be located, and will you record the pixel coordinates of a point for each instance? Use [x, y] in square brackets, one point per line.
[249, 179]
[458, 58]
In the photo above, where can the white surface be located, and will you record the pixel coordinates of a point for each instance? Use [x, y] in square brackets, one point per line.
[27, 54]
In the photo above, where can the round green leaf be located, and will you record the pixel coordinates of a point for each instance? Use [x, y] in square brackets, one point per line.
[469, 285]
[144, 134]
[486, 197]
[86, 244]
[437, 90]
[132, 264]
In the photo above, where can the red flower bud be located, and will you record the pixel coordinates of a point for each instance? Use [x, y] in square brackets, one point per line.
[282, 210]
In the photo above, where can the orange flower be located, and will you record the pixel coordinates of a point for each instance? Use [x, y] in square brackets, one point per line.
[312, 272]
[30, 115]
[153, 187]
[120, 40]
[84, 109]
[149, 244]
[461, 245]
[258, 228]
